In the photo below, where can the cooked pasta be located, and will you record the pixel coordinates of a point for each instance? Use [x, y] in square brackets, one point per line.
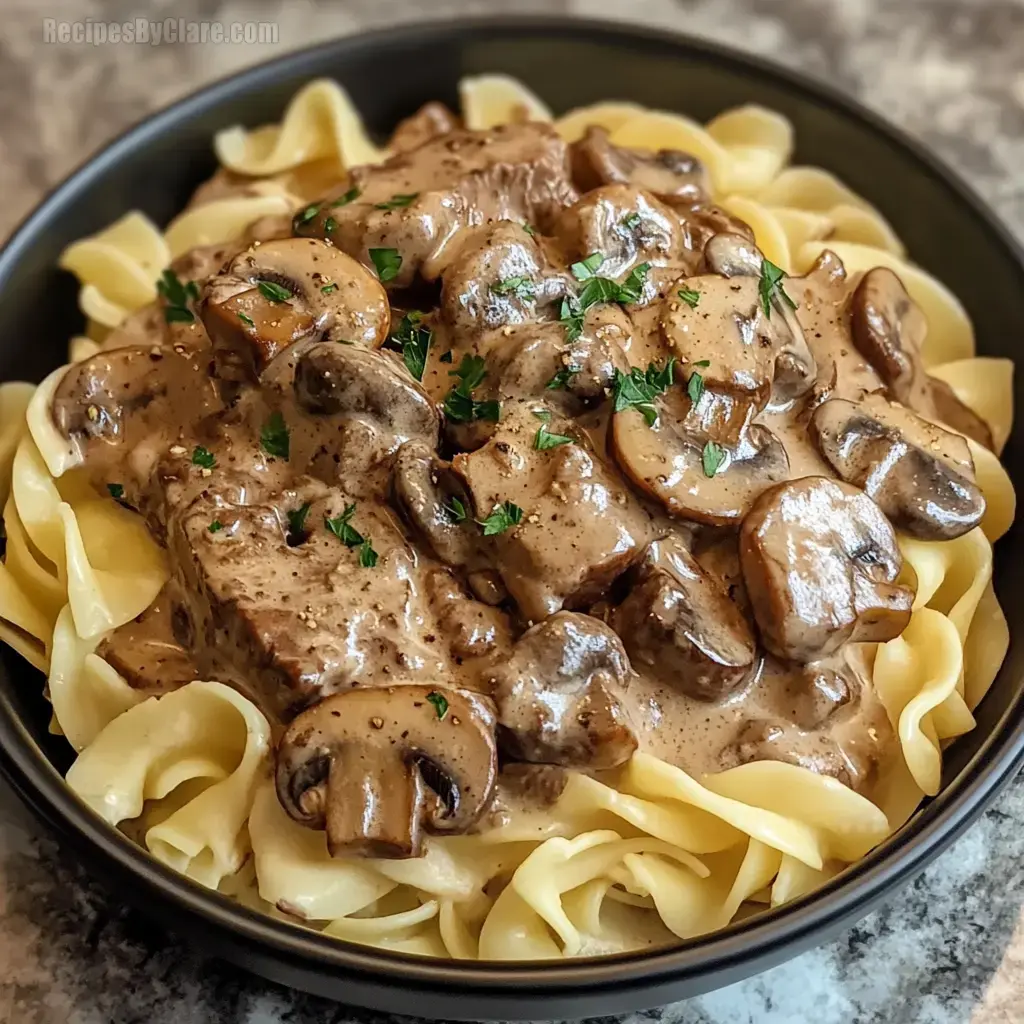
[626, 854]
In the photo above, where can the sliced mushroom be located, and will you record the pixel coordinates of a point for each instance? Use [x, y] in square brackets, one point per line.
[375, 768]
[678, 622]
[775, 740]
[280, 292]
[920, 475]
[820, 563]
[559, 696]
[889, 329]
[669, 174]
[678, 462]
[430, 121]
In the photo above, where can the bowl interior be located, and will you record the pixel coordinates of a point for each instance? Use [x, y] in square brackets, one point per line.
[155, 167]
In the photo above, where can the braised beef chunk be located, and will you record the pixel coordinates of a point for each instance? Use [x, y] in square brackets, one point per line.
[404, 218]
[430, 121]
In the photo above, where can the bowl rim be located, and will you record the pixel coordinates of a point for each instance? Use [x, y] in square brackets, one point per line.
[853, 892]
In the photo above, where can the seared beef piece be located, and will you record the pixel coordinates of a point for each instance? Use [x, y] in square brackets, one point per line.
[418, 203]
[430, 121]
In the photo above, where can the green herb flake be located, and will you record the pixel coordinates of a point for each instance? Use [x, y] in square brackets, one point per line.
[690, 296]
[632, 221]
[297, 523]
[638, 389]
[349, 197]
[455, 510]
[177, 296]
[116, 490]
[695, 386]
[275, 437]
[632, 288]
[328, 288]
[274, 291]
[528, 228]
[367, 556]
[387, 262]
[771, 286]
[588, 267]
[440, 704]
[712, 458]
[516, 287]
[329, 225]
[459, 404]
[342, 528]
[542, 414]
[504, 517]
[545, 439]
[216, 526]
[203, 457]
[561, 379]
[303, 217]
[413, 341]
[397, 201]
[246, 319]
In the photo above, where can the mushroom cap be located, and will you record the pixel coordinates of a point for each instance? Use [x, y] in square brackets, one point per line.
[919, 474]
[326, 295]
[375, 767]
[678, 621]
[559, 695]
[820, 563]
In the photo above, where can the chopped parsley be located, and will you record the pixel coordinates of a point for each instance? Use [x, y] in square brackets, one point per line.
[177, 297]
[328, 288]
[455, 510]
[413, 341]
[518, 287]
[638, 389]
[440, 704]
[216, 526]
[770, 287]
[690, 296]
[695, 382]
[460, 405]
[542, 414]
[348, 197]
[712, 458]
[367, 555]
[274, 437]
[246, 319]
[274, 291]
[396, 201]
[545, 439]
[329, 225]
[446, 357]
[587, 268]
[561, 379]
[504, 517]
[631, 289]
[387, 263]
[528, 228]
[343, 529]
[116, 490]
[305, 216]
[632, 221]
[203, 457]
[597, 289]
[297, 524]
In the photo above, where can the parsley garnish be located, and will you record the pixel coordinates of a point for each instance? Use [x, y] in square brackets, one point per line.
[446, 357]
[631, 288]
[542, 414]
[116, 490]
[561, 379]
[274, 436]
[638, 389]
[455, 510]
[328, 288]
[216, 526]
[203, 457]
[342, 528]
[297, 524]
[632, 221]
[396, 201]
[246, 319]
[588, 267]
[544, 439]
[440, 704]
[695, 382]
[528, 228]
[770, 286]
[504, 517]
[689, 296]
[329, 225]
[367, 556]
[712, 458]
[177, 296]
[459, 405]
[518, 287]
[350, 196]
[597, 289]
[273, 291]
[305, 216]
[413, 341]
[387, 262]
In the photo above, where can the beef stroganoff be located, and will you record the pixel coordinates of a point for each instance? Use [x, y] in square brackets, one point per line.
[535, 537]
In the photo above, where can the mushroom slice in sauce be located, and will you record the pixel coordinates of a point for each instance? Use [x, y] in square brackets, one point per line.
[889, 329]
[376, 768]
[820, 563]
[671, 461]
[669, 174]
[679, 623]
[559, 696]
[580, 526]
[277, 293]
[919, 474]
[430, 121]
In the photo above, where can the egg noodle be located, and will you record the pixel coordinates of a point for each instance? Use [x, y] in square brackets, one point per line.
[643, 855]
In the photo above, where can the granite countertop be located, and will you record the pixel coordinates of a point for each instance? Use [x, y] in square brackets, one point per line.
[950, 948]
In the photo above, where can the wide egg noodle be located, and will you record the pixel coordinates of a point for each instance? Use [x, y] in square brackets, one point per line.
[985, 385]
[492, 100]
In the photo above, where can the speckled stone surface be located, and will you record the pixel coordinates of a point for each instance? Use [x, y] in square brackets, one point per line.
[950, 949]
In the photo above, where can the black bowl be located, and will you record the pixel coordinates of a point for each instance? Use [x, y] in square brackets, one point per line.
[156, 165]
